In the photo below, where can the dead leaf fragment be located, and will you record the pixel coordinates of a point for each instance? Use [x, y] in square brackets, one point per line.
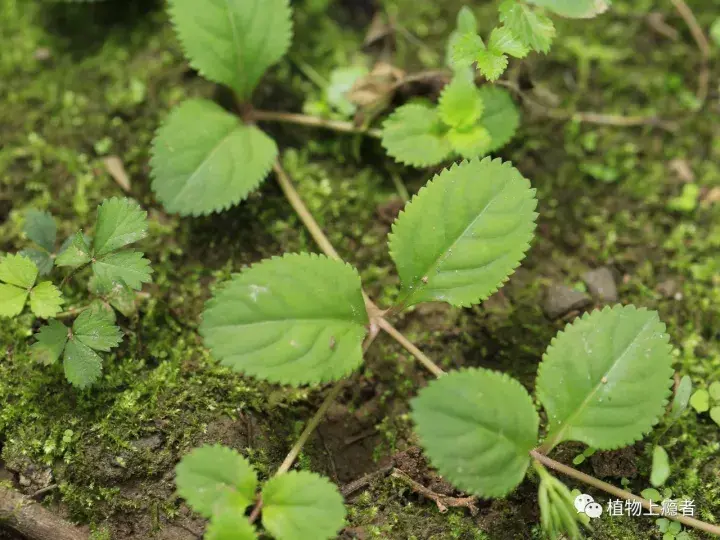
[115, 167]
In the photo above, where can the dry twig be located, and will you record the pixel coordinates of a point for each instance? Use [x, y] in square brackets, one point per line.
[702, 43]
[443, 502]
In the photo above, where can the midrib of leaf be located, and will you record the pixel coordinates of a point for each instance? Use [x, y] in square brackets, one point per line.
[204, 161]
[443, 253]
[556, 437]
[281, 319]
[236, 40]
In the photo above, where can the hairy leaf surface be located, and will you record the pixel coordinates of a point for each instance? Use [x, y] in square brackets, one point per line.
[605, 379]
[126, 266]
[119, 222]
[12, 300]
[296, 319]
[502, 40]
[18, 270]
[82, 365]
[51, 340]
[415, 135]
[45, 300]
[477, 427]
[216, 478]
[501, 117]
[460, 104]
[76, 254]
[463, 234]
[533, 29]
[40, 227]
[576, 9]
[491, 64]
[204, 160]
[233, 42]
[300, 505]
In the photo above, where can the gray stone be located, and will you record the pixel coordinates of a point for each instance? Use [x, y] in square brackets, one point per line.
[601, 284]
[561, 299]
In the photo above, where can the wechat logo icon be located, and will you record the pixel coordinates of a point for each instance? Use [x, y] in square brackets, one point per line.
[585, 504]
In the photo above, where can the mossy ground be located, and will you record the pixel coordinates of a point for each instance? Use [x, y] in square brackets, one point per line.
[80, 82]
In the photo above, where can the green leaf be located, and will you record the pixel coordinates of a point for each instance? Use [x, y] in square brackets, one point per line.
[501, 118]
[477, 427]
[415, 135]
[651, 494]
[466, 21]
[300, 505]
[40, 227]
[18, 270]
[471, 142]
[464, 233]
[460, 104]
[491, 64]
[502, 40]
[82, 365]
[12, 300]
[466, 25]
[76, 254]
[681, 399]
[229, 524]
[660, 467]
[96, 330]
[204, 160]
[715, 415]
[606, 378]
[465, 49]
[575, 9]
[714, 391]
[41, 258]
[45, 300]
[214, 478]
[50, 343]
[700, 401]
[265, 325]
[127, 266]
[119, 222]
[233, 42]
[531, 28]
[118, 295]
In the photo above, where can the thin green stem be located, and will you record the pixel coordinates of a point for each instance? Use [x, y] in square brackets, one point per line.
[313, 121]
[70, 312]
[618, 492]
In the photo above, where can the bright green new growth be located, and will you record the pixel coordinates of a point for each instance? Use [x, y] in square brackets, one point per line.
[558, 516]
[606, 378]
[604, 381]
[220, 484]
[233, 42]
[296, 319]
[464, 233]
[205, 160]
[92, 331]
[477, 427]
[18, 274]
[301, 505]
[468, 122]
[576, 9]
[216, 479]
[530, 27]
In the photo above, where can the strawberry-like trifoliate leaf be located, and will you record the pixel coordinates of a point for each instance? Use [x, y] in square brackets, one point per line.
[233, 42]
[575, 9]
[127, 266]
[95, 329]
[50, 343]
[230, 524]
[531, 28]
[18, 272]
[477, 427]
[205, 160]
[82, 365]
[119, 222]
[42, 259]
[40, 227]
[464, 233]
[216, 479]
[501, 117]
[300, 505]
[460, 104]
[296, 319]
[45, 300]
[502, 40]
[117, 294]
[605, 379]
[76, 254]
[12, 300]
[415, 135]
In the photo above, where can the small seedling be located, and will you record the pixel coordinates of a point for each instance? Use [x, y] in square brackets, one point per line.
[116, 273]
[708, 400]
